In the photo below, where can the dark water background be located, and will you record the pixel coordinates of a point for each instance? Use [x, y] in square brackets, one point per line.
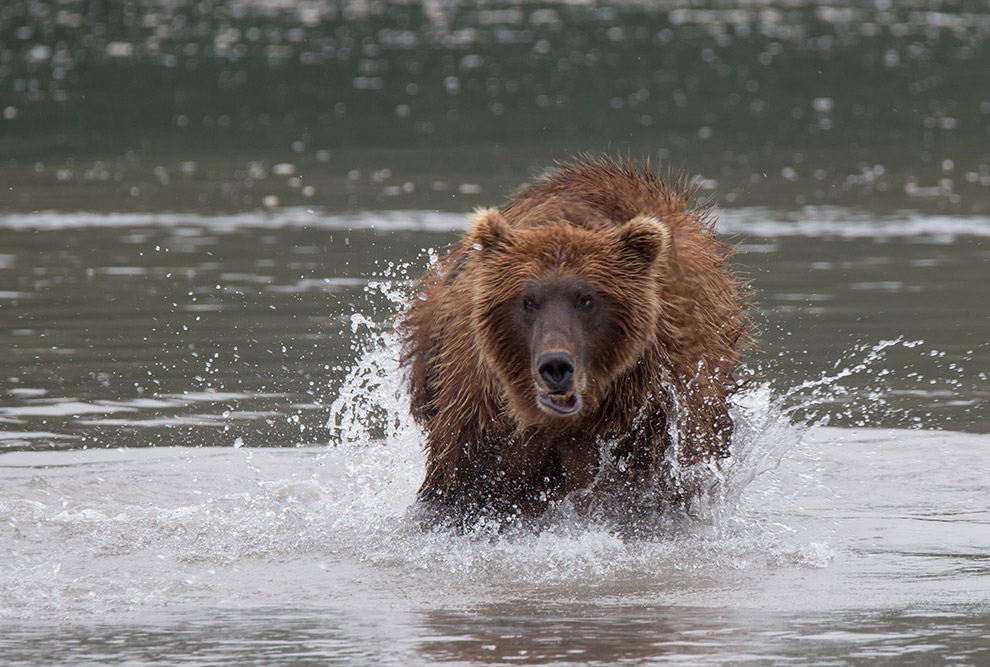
[209, 211]
[188, 106]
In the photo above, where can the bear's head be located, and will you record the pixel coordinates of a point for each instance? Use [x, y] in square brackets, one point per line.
[560, 311]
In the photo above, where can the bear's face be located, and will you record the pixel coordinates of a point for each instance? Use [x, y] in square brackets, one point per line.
[560, 311]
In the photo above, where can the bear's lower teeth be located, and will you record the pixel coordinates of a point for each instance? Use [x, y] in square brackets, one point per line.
[564, 404]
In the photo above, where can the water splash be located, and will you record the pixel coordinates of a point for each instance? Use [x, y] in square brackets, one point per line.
[858, 389]
[378, 447]
[741, 522]
[371, 405]
[183, 523]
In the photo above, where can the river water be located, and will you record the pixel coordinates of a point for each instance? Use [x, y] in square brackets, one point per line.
[168, 492]
[212, 212]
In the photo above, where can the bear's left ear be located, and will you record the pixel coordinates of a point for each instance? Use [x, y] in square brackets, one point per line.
[489, 229]
[646, 236]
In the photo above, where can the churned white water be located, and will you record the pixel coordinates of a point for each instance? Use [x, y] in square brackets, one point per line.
[811, 521]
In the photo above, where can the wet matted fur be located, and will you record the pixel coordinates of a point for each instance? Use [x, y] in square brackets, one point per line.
[657, 358]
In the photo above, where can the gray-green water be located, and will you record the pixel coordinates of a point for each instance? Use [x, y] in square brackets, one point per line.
[211, 212]
[154, 104]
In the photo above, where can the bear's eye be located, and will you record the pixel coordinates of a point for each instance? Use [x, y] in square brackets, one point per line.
[529, 304]
[585, 302]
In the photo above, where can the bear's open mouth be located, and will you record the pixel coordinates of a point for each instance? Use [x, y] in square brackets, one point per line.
[564, 404]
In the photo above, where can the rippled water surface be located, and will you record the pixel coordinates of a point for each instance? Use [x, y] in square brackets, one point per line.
[238, 104]
[211, 212]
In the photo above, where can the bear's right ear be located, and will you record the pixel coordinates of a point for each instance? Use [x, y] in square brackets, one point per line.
[489, 229]
[647, 236]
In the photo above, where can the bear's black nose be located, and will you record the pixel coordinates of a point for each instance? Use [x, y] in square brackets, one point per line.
[556, 369]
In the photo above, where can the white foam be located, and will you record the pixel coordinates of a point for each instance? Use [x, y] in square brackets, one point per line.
[64, 408]
[845, 223]
[284, 218]
[811, 222]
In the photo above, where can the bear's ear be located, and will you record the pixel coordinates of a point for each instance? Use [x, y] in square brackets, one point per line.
[648, 237]
[489, 229]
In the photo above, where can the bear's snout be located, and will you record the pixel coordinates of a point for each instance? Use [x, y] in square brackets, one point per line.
[557, 370]
[558, 395]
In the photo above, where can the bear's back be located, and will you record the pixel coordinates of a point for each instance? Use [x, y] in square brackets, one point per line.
[598, 192]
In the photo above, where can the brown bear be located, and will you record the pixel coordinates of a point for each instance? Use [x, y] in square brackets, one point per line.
[592, 320]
